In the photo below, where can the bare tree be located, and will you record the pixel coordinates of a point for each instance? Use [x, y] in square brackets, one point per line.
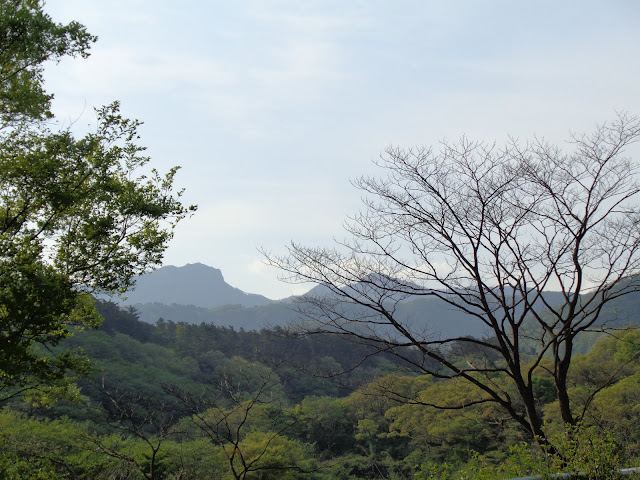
[490, 231]
[152, 421]
[222, 414]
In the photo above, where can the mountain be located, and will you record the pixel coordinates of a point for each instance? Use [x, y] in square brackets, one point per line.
[276, 314]
[422, 314]
[198, 294]
[194, 284]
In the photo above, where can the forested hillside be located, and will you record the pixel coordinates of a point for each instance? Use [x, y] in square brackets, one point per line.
[177, 400]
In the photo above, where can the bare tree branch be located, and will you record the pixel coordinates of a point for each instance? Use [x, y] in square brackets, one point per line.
[490, 232]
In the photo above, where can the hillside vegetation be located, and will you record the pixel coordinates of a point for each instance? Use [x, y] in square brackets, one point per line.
[176, 400]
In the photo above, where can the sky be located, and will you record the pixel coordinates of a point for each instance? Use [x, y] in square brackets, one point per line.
[272, 107]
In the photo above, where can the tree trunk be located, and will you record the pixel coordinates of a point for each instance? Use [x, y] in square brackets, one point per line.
[561, 385]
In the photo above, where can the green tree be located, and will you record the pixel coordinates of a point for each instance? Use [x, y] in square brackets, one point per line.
[326, 422]
[449, 435]
[268, 456]
[40, 449]
[28, 39]
[77, 215]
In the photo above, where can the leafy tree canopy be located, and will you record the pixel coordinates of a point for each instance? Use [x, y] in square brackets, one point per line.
[77, 215]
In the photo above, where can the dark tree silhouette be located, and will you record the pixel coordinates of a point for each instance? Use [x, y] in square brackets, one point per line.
[490, 231]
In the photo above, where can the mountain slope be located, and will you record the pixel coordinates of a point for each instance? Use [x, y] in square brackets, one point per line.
[198, 294]
[194, 284]
[236, 316]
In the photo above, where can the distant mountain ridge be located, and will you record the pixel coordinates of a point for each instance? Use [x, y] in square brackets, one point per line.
[193, 284]
[198, 294]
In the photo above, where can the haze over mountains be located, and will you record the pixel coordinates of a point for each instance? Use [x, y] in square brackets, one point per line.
[196, 293]
[194, 284]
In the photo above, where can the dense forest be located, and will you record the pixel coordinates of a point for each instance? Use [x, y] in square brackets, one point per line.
[176, 400]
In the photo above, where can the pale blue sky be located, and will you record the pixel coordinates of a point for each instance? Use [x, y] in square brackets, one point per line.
[270, 107]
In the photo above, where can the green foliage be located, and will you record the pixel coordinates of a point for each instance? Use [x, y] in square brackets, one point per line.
[544, 389]
[616, 410]
[326, 422]
[448, 435]
[77, 215]
[235, 412]
[62, 449]
[126, 321]
[604, 385]
[36, 305]
[31, 449]
[29, 38]
[582, 450]
[628, 347]
[194, 459]
[269, 456]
